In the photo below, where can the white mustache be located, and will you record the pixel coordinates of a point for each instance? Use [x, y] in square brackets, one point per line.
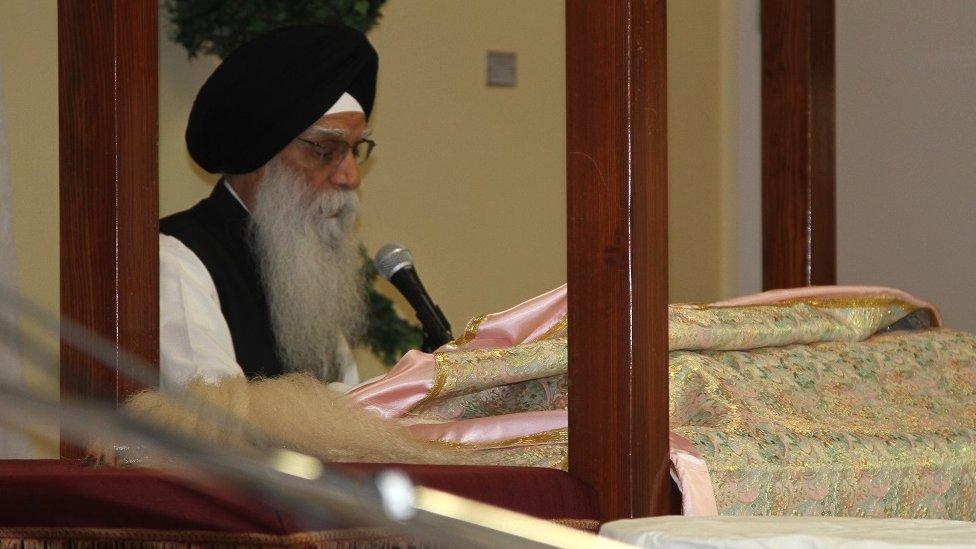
[338, 202]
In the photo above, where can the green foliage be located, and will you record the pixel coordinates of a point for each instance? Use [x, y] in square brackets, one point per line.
[387, 335]
[220, 26]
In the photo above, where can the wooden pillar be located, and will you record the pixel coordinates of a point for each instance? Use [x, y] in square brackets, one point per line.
[107, 73]
[798, 144]
[616, 115]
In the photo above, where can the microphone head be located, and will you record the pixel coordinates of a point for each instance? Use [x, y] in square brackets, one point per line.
[391, 258]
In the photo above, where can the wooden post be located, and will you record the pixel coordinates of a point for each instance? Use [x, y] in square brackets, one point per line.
[617, 232]
[107, 73]
[798, 150]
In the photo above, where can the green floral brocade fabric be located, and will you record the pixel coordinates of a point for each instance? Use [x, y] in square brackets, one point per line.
[832, 420]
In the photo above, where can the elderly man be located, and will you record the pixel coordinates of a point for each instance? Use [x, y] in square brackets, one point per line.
[262, 277]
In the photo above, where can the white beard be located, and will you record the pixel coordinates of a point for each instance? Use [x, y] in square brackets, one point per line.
[310, 267]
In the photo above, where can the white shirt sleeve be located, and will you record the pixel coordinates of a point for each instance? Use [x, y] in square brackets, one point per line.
[348, 369]
[194, 339]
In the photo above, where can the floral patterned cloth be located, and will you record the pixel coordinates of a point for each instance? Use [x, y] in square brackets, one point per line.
[884, 427]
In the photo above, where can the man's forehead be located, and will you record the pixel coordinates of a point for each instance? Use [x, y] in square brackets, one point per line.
[340, 124]
[330, 131]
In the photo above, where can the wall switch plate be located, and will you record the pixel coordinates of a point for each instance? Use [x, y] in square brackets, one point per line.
[501, 68]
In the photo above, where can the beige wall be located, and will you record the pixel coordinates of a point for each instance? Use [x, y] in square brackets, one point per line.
[181, 182]
[906, 149]
[28, 59]
[471, 178]
[700, 165]
[741, 147]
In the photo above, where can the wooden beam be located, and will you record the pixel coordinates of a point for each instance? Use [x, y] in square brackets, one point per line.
[798, 150]
[616, 115]
[107, 73]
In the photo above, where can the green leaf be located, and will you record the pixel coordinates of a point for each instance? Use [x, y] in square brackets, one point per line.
[220, 26]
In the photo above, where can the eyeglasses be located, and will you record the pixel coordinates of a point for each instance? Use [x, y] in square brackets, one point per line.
[331, 153]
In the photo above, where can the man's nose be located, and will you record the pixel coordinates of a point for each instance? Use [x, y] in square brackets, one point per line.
[346, 174]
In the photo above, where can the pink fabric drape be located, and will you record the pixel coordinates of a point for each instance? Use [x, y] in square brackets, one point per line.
[486, 430]
[401, 388]
[692, 478]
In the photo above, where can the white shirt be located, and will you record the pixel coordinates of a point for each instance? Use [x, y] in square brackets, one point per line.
[194, 339]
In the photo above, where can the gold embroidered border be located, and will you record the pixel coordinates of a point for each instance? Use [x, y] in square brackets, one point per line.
[589, 525]
[470, 331]
[555, 436]
[440, 374]
[440, 378]
[556, 328]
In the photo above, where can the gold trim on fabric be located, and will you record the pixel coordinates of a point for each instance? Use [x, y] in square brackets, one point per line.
[556, 328]
[470, 331]
[555, 436]
[590, 525]
[440, 378]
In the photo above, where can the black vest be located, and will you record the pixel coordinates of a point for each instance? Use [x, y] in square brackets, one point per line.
[216, 231]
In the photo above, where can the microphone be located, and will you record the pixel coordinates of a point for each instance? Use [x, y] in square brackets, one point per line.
[395, 263]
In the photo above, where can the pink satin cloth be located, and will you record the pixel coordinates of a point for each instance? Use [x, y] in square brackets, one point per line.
[523, 323]
[401, 388]
[394, 395]
[690, 473]
[492, 429]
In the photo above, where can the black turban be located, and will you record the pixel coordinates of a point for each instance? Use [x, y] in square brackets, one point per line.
[271, 89]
